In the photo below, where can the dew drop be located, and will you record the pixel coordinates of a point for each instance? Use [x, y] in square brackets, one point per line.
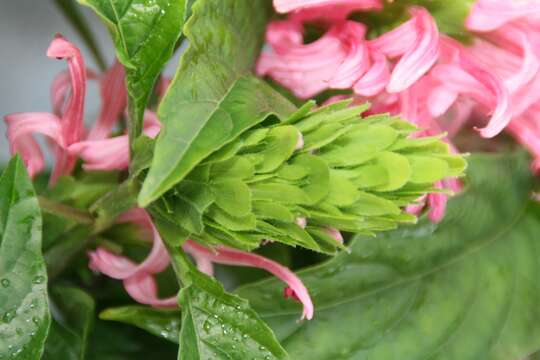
[8, 316]
[262, 348]
[5, 283]
[35, 320]
[164, 333]
[39, 279]
[267, 357]
[207, 326]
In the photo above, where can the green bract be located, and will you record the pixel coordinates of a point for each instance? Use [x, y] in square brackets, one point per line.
[329, 166]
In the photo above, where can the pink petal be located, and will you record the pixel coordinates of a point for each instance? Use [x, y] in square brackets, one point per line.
[375, 79]
[105, 155]
[497, 97]
[143, 289]
[440, 100]
[114, 100]
[72, 118]
[487, 15]
[229, 256]
[420, 57]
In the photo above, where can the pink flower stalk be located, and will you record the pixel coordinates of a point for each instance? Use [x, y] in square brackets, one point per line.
[138, 279]
[63, 129]
[229, 256]
[112, 153]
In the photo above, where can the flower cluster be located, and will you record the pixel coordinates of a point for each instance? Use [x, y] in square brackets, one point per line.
[414, 70]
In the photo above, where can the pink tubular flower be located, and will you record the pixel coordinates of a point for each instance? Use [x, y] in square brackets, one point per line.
[138, 279]
[63, 129]
[229, 256]
[112, 153]
[337, 60]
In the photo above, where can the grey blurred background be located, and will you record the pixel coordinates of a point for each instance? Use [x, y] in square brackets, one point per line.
[26, 73]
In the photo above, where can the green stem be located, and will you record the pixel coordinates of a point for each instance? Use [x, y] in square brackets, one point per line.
[65, 211]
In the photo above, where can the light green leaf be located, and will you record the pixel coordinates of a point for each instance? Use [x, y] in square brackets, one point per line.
[281, 193]
[145, 34]
[458, 290]
[212, 98]
[398, 169]
[425, 169]
[233, 196]
[24, 312]
[280, 144]
[342, 191]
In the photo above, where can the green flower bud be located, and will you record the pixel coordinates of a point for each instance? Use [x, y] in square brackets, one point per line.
[330, 167]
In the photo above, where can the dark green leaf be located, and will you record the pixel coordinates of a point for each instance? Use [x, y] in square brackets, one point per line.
[145, 34]
[24, 313]
[458, 290]
[162, 323]
[73, 321]
[212, 99]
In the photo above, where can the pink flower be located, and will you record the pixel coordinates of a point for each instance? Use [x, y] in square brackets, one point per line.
[138, 279]
[62, 129]
[229, 256]
[337, 60]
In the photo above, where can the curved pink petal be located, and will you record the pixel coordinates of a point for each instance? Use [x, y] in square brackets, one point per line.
[143, 289]
[104, 155]
[488, 15]
[114, 99]
[397, 41]
[440, 100]
[375, 79]
[229, 256]
[72, 118]
[420, 57]
[471, 74]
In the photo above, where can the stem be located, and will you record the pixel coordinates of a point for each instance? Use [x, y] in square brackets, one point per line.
[65, 211]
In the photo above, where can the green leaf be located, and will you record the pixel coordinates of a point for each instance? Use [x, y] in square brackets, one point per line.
[73, 321]
[145, 34]
[24, 312]
[458, 290]
[219, 325]
[233, 196]
[280, 145]
[161, 323]
[212, 98]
